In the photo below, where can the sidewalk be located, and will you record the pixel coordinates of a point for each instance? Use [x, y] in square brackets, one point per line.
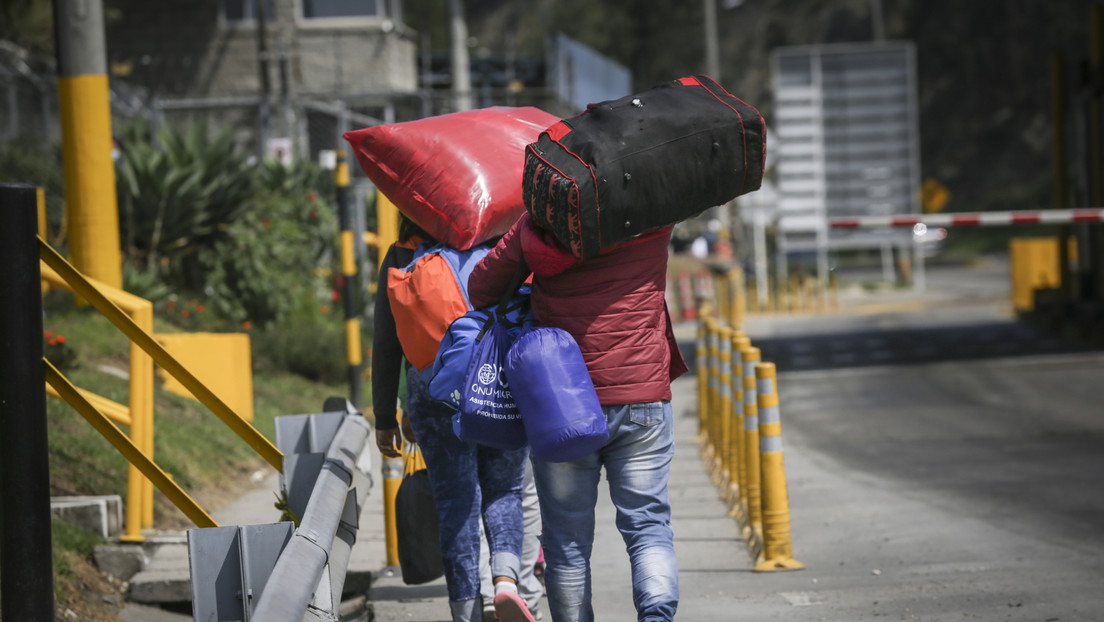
[706, 542]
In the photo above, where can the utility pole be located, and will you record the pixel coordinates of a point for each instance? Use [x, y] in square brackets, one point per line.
[877, 20]
[461, 63]
[84, 104]
[264, 110]
[712, 53]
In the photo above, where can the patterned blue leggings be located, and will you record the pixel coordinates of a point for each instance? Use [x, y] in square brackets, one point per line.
[468, 481]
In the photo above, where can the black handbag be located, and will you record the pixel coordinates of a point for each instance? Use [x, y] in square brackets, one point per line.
[416, 523]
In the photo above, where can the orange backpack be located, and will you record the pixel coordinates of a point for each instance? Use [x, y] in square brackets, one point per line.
[428, 294]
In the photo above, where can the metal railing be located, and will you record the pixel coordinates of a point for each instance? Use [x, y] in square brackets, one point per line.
[134, 317]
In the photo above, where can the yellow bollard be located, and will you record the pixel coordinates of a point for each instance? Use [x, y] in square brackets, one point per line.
[753, 532]
[738, 485]
[392, 476]
[708, 449]
[777, 541]
[734, 414]
[721, 476]
[703, 382]
[739, 301]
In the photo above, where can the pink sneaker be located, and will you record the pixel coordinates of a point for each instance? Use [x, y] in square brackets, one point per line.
[509, 607]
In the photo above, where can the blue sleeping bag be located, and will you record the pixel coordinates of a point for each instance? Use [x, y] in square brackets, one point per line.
[555, 395]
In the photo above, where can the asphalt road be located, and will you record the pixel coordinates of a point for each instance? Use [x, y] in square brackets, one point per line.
[946, 405]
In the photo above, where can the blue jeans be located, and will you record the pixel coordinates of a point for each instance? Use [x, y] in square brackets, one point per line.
[468, 481]
[637, 459]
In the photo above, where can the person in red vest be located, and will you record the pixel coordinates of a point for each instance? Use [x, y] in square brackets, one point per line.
[613, 304]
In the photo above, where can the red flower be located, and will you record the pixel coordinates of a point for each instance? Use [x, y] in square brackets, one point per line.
[52, 341]
[340, 281]
[61, 339]
[185, 313]
[246, 325]
[266, 221]
[335, 296]
[199, 309]
[47, 334]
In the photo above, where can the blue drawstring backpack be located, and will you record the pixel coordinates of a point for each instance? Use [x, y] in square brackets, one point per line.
[488, 414]
[472, 351]
[450, 366]
[559, 408]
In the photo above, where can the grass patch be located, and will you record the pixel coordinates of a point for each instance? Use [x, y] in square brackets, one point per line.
[72, 547]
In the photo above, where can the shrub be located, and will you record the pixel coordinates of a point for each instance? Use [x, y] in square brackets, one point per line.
[309, 346]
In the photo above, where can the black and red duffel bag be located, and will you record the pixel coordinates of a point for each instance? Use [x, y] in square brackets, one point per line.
[642, 162]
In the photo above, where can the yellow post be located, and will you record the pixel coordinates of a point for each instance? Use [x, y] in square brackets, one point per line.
[739, 298]
[703, 382]
[721, 476]
[754, 531]
[40, 196]
[85, 111]
[777, 538]
[141, 401]
[702, 371]
[738, 498]
[387, 223]
[714, 358]
[392, 469]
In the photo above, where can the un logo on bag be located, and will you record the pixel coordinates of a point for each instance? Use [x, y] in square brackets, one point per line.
[487, 373]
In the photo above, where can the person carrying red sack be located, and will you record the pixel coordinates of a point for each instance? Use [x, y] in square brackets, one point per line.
[614, 306]
[470, 482]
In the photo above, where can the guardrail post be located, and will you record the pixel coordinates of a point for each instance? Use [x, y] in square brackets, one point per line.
[26, 566]
[777, 541]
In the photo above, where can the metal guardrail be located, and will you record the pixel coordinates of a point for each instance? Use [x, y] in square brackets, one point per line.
[290, 575]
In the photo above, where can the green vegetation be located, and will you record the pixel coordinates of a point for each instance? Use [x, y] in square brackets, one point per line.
[72, 544]
[217, 244]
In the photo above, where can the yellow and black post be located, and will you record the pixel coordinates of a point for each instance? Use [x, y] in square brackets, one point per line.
[26, 566]
[349, 276]
[84, 103]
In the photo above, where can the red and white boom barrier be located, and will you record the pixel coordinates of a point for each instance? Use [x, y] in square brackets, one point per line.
[1033, 217]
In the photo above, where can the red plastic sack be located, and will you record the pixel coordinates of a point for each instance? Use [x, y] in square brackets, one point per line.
[458, 175]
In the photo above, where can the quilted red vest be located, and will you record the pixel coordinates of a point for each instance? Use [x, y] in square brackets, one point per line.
[612, 304]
